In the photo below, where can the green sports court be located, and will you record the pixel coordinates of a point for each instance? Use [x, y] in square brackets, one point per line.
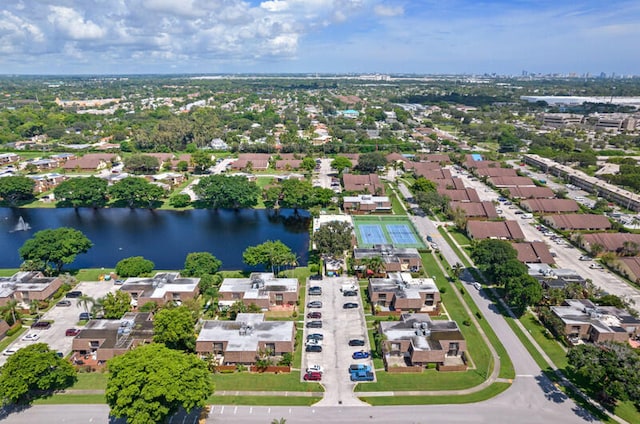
[393, 230]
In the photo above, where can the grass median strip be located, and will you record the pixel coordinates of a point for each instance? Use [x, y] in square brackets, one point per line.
[264, 382]
[487, 393]
[263, 400]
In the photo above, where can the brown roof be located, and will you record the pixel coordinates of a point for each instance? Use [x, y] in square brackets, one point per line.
[476, 209]
[610, 241]
[579, 221]
[509, 230]
[531, 192]
[291, 163]
[536, 252]
[421, 166]
[633, 264]
[396, 157]
[369, 183]
[466, 195]
[434, 157]
[254, 156]
[469, 163]
[550, 205]
[162, 157]
[434, 174]
[89, 161]
[511, 181]
[497, 172]
[288, 156]
[450, 184]
[255, 164]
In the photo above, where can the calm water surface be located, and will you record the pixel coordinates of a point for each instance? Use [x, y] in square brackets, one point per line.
[165, 237]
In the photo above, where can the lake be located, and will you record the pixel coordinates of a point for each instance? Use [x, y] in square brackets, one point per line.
[165, 237]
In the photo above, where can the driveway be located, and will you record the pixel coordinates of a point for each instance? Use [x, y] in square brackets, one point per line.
[63, 317]
[339, 325]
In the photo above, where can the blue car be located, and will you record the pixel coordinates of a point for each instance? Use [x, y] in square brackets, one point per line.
[360, 355]
[362, 376]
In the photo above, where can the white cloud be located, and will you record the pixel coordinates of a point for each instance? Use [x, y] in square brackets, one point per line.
[275, 5]
[73, 24]
[388, 11]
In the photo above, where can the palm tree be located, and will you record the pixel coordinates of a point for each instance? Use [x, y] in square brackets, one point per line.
[11, 309]
[84, 301]
[375, 264]
[457, 270]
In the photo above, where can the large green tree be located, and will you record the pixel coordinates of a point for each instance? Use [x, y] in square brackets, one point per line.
[489, 254]
[611, 369]
[201, 161]
[151, 382]
[115, 305]
[523, 291]
[88, 192]
[271, 254]
[175, 327]
[227, 192]
[134, 266]
[136, 191]
[16, 189]
[32, 372]
[199, 264]
[142, 164]
[340, 163]
[55, 247]
[333, 238]
[370, 162]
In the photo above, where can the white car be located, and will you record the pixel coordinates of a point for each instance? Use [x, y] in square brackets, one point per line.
[595, 266]
[315, 368]
[31, 337]
[313, 342]
[9, 352]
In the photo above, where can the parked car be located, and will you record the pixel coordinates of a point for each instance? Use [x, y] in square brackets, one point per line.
[314, 324]
[314, 304]
[73, 294]
[313, 376]
[64, 303]
[9, 352]
[315, 368]
[315, 315]
[311, 342]
[350, 305]
[350, 293]
[84, 316]
[118, 282]
[585, 258]
[356, 342]
[595, 266]
[359, 367]
[362, 376]
[31, 337]
[41, 325]
[316, 336]
[360, 355]
[477, 286]
[313, 348]
[72, 332]
[315, 290]
[429, 238]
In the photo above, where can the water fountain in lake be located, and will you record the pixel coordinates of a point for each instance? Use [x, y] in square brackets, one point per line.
[21, 225]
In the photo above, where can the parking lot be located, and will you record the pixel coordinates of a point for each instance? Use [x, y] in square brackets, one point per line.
[339, 325]
[63, 317]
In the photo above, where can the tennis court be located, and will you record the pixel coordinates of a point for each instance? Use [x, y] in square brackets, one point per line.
[372, 234]
[396, 231]
[400, 234]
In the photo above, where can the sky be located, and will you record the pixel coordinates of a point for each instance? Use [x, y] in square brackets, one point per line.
[319, 36]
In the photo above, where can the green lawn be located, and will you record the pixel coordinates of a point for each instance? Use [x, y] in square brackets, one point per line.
[269, 382]
[10, 339]
[92, 274]
[396, 204]
[263, 400]
[487, 393]
[8, 272]
[459, 236]
[546, 340]
[91, 381]
[68, 399]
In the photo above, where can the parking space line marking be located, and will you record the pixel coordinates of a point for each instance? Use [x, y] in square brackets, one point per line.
[235, 410]
[222, 410]
[251, 410]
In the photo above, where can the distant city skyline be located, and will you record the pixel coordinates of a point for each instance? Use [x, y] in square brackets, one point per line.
[505, 37]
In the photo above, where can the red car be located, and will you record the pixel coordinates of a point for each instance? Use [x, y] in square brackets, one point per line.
[315, 315]
[72, 332]
[313, 376]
